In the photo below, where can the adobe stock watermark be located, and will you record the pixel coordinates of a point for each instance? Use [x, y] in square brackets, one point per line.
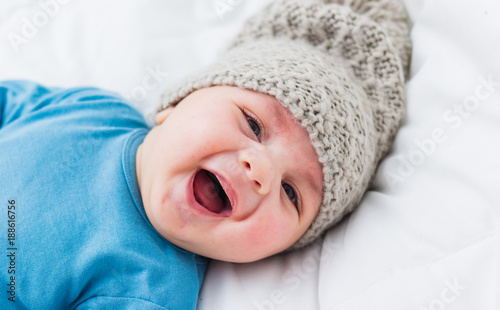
[222, 7]
[449, 294]
[297, 274]
[73, 155]
[48, 9]
[453, 118]
[152, 79]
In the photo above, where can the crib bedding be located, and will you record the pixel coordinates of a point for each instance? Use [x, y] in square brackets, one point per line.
[426, 235]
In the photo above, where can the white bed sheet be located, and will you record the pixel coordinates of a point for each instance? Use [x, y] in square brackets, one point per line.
[426, 236]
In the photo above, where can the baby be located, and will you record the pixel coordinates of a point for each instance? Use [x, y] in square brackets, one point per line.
[258, 154]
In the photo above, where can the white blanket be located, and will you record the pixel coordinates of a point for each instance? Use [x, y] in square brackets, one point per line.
[426, 236]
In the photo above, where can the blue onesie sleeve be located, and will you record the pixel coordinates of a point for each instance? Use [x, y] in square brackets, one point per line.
[80, 237]
[105, 302]
[19, 98]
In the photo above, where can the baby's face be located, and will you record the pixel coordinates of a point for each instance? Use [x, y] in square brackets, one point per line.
[229, 174]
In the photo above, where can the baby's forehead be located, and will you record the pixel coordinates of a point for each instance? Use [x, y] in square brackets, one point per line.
[282, 118]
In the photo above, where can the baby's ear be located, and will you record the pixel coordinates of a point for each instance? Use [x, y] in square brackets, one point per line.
[162, 115]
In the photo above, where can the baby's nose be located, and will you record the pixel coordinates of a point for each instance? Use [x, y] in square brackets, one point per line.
[259, 168]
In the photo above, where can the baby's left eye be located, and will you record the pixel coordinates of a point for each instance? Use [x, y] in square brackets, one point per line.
[290, 192]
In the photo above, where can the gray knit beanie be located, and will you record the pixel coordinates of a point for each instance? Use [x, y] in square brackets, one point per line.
[340, 69]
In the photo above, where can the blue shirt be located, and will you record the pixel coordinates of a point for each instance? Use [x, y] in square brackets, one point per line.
[73, 230]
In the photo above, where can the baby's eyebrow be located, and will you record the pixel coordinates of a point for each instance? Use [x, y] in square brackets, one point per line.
[318, 192]
[277, 112]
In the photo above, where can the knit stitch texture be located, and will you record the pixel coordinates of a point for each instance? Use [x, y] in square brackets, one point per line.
[340, 68]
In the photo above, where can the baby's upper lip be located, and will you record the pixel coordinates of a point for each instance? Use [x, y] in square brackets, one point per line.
[228, 189]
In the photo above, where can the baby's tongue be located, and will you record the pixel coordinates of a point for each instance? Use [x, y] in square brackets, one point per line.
[205, 192]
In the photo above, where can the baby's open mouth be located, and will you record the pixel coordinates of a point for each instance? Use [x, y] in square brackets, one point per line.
[209, 193]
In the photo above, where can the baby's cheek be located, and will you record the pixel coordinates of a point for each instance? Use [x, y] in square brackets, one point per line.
[268, 234]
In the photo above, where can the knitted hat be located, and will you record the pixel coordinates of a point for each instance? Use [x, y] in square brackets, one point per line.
[340, 70]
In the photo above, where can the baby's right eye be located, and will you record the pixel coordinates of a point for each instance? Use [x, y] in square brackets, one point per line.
[254, 124]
